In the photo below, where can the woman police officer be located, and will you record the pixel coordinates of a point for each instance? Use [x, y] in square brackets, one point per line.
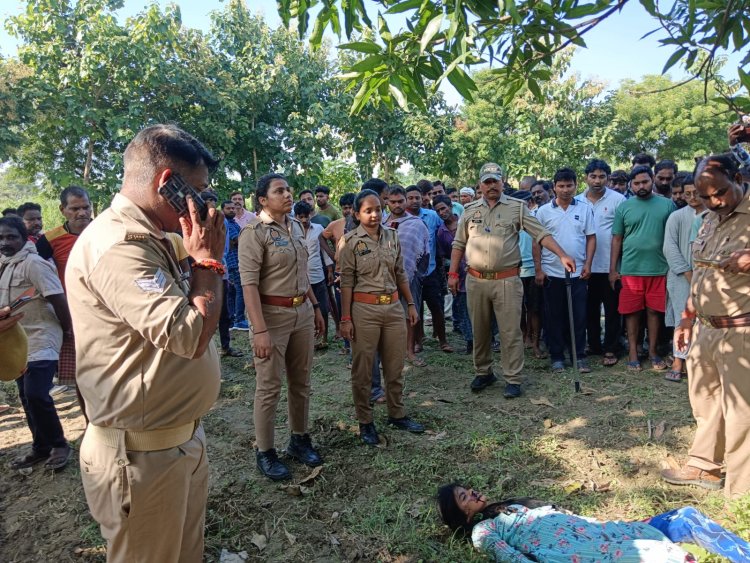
[372, 318]
[280, 305]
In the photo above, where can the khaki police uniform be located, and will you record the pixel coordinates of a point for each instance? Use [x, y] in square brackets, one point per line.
[143, 456]
[373, 269]
[273, 257]
[719, 385]
[489, 237]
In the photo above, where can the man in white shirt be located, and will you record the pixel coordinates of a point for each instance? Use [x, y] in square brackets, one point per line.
[604, 201]
[571, 223]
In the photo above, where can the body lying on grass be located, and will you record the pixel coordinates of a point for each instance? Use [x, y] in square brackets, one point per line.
[524, 529]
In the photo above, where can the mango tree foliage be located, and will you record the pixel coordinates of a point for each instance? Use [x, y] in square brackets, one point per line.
[518, 38]
[529, 137]
[655, 116]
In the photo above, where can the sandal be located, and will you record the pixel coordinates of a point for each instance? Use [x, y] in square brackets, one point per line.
[58, 458]
[672, 375]
[28, 460]
[609, 359]
[634, 366]
[539, 355]
[416, 362]
[447, 348]
[657, 364]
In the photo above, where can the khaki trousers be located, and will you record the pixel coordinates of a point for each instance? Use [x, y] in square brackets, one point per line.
[719, 387]
[505, 298]
[378, 328]
[151, 506]
[292, 332]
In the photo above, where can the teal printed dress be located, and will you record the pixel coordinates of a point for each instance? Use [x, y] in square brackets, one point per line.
[545, 534]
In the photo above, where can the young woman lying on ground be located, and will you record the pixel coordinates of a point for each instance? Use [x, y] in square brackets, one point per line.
[524, 529]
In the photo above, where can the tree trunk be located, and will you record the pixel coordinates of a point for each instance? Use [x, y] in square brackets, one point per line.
[87, 174]
[255, 156]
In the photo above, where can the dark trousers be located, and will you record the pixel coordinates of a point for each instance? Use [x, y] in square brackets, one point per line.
[33, 390]
[556, 314]
[237, 300]
[461, 316]
[600, 293]
[225, 320]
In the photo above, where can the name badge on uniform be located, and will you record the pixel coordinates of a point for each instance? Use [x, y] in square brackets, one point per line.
[477, 217]
[361, 249]
[152, 284]
[277, 238]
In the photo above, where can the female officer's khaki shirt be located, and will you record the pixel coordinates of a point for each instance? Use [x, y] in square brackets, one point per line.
[370, 266]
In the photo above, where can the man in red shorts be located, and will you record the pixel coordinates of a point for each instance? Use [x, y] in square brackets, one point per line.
[637, 238]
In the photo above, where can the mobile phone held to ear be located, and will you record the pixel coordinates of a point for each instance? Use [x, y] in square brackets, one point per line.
[176, 189]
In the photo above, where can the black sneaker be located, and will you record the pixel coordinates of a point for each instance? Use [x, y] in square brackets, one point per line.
[270, 466]
[368, 434]
[300, 448]
[407, 424]
[481, 382]
[512, 391]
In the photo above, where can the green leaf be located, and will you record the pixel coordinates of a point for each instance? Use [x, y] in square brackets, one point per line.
[404, 6]
[432, 28]
[535, 90]
[676, 56]
[368, 64]
[463, 83]
[362, 47]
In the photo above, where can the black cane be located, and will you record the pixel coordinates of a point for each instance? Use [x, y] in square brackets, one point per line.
[569, 291]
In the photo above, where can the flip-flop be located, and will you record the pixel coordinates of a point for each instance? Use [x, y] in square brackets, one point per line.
[634, 366]
[657, 364]
[58, 458]
[447, 348]
[609, 359]
[416, 362]
[674, 376]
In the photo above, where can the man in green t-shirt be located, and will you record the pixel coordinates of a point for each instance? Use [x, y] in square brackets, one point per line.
[638, 238]
[326, 208]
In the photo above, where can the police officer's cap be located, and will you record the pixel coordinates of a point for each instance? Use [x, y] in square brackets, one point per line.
[14, 350]
[490, 170]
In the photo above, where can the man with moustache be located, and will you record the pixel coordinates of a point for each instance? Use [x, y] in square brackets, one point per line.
[605, 202]
[148, 367]
[493, 282]
[56, 245]
[540, 193]
[31, 213]
[664, 175]
[638, 237]
[715, 330]
[678, 251]
[415, 250]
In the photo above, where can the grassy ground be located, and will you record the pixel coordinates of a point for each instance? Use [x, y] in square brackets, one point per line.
[598, 453]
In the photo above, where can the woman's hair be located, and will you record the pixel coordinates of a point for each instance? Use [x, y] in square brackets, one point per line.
[455, 518]
[359, 200]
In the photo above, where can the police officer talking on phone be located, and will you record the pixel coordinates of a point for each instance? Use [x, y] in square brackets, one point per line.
[147, 367]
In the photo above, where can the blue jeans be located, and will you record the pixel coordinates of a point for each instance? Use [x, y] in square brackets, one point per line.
[557, 324]
[225, 320]
[690, 526]
[461, 316]
[236, 299]
[33, 390]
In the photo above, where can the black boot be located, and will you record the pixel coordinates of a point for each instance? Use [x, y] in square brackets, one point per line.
[368, 434]
[300, 448]
[407, 424]
[469, 347]
[270, 466]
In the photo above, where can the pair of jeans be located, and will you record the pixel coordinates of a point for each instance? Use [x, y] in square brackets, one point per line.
[687, 525]
[237, 300]
[461, 315]
[557, 323]
[33, 391]
[600, 293]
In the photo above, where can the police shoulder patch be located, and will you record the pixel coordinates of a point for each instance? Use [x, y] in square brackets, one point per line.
[152, 284]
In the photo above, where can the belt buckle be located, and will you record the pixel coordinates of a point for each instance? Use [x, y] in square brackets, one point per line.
[488, 275]
[384, 299]
[298, 300]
